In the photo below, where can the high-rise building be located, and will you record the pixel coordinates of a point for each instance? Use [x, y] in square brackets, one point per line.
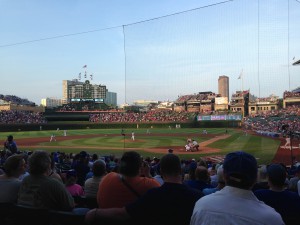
[111, 99]
[51, 102]
[66, 84]
[223, 86]
[75, 90]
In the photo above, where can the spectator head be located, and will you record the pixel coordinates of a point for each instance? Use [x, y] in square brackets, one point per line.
[94, 157]
[83, 154]
[201, 173]
[170, 165]
[70, 174]
[14, 165]
[10, 138]
[99, 168]
[192, 169]
[262, 174]
[240, 170]
[297, 171]
[130, 164]
[202, 162]
[71, 178]
[39, 163]
[276, 175]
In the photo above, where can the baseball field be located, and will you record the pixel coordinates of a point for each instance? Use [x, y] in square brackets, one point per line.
[155, 142]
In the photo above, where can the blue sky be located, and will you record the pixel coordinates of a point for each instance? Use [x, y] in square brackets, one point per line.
[167, 57]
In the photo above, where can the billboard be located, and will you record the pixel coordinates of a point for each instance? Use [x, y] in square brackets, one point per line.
[221, 100]
[219, 117]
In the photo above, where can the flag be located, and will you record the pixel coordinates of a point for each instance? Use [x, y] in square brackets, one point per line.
[84, 66]
[240, 76]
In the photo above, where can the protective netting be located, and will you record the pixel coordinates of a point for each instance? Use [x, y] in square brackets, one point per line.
[186, 53]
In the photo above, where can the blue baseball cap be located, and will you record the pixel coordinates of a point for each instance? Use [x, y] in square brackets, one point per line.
[240, 167]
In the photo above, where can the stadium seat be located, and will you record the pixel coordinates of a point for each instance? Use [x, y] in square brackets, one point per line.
[84, 202]
[6, 210]
[65, 218]
[91, 203]
[30, 215]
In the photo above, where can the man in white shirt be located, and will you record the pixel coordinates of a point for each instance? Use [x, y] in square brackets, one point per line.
[52, 138]
[288, 142]
[235, 203]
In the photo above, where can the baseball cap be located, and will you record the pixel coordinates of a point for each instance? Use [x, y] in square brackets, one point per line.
[193, 165]
[297, 169]
[10, 137]
[83, 154]
[240, 167]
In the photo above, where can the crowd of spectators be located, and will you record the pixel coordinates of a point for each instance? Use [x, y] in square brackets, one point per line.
[21, 117]
[83, 107]
[84, 173]
[196, 97]
[150, 116]
[183, 98]
[16, 100]
[290, 94]
[68, 108]
[268, 99]
[273, 121]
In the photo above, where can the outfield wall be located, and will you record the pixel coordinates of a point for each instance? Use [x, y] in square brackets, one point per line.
[80, 120]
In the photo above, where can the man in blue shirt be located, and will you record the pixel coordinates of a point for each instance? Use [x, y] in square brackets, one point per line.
[170, 204]
[10, 145]
[285, 202]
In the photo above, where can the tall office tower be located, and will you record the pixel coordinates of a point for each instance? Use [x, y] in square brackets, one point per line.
[223, 85]
[66, 84]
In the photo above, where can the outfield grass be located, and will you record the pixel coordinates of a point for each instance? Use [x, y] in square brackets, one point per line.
[262, 148]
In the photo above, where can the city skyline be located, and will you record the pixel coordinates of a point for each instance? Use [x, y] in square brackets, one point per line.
[168, 55]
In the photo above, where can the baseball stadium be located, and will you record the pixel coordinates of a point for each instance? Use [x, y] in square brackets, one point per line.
[93, 127]
[168, 112]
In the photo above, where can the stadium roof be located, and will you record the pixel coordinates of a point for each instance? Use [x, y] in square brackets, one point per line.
[297, 90]
[296, 63]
